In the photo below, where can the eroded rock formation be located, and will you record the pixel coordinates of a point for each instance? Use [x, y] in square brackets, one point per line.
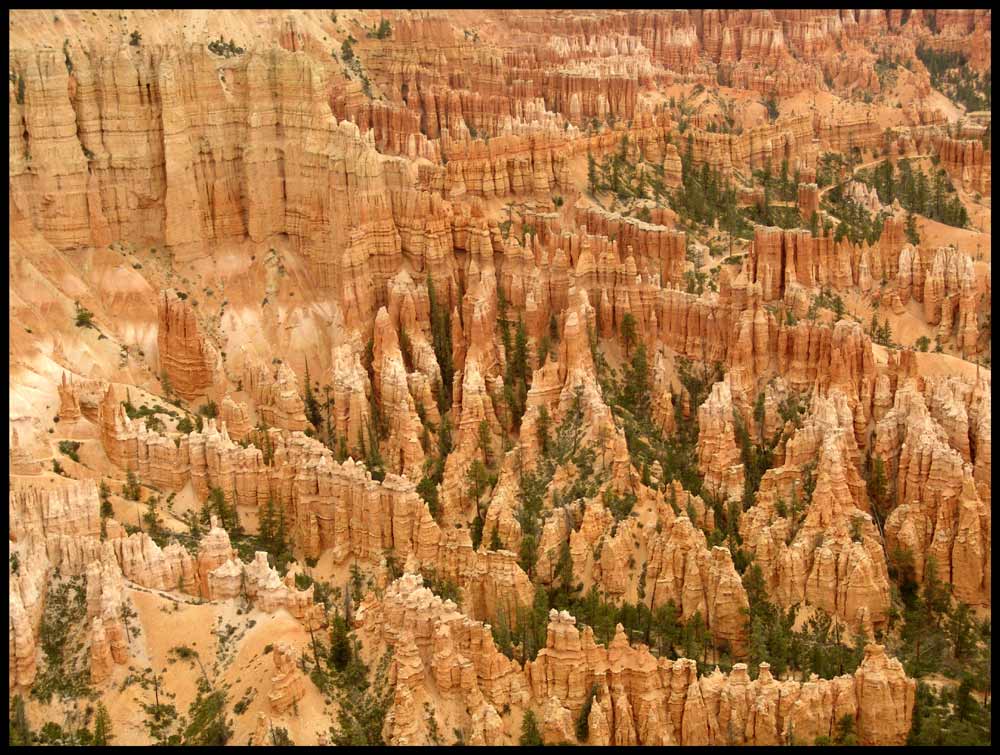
[418, 275]
[640, 699]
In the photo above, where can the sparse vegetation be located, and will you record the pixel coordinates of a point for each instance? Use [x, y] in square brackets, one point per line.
[530, 735]
[18, 80]
[64, 673]
[225, 49]
[933, 197]
[578, 479]
[881, 333]
[131, 490]
[771, 103]
[84, 317]
[950, 73]
[228, 517]
[209, 409]
[207, 721]
[382, 31]
[363, 705]
[69, 448]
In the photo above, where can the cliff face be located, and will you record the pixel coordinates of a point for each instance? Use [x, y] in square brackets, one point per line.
[189, 175]
[968, 162]
[199, 193]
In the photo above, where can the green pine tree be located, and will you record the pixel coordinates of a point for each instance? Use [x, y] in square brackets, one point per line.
[102, 726]
[530, 735]
[313, 413]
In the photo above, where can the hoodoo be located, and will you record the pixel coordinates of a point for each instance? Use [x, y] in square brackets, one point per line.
[602, 377]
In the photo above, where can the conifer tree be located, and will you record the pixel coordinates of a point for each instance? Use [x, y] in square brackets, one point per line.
[912, 235]
[628, 332]
[592, 181]
[441, 338]
[313, 413]
[530, 735]
[266, 526]
[636, 393]
[583, 720]
[340, 643]
[373, 459]
[131, 490]
[19, 730]
[102, 726]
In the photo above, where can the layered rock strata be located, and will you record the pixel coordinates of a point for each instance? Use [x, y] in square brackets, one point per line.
[640, 699]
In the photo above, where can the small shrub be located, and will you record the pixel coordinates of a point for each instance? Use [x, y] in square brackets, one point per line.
[184, 653]
[84, 317]
[69, 448]
[382, 31]
[131, 490]
[207, 715]
[245, 701]
[582, 721]
[225, 49]
[856, 522]
[209, 409]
